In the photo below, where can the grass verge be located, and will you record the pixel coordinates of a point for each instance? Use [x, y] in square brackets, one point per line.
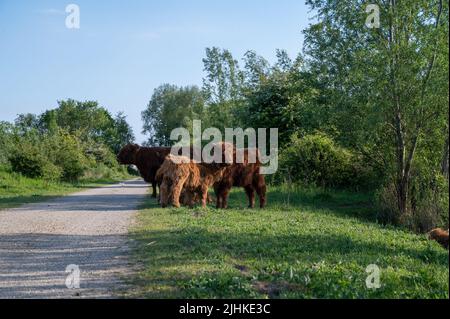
[318, 245]
[16, 189]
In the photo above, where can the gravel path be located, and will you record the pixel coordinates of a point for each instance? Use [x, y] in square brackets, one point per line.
[86, 229]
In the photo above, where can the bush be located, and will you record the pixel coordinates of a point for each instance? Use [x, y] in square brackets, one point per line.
[29, 164]
[316, 159]
[428, 204]
[5, 142]
[66, 152]
[29, 161]
[101, 154]
[58, 155]
[133, 170]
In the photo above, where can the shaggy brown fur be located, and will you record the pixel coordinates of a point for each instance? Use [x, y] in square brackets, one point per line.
[439, 235]
[186, 198]
[182, 174]
[190, 199]
[147, 159]
[244, 175]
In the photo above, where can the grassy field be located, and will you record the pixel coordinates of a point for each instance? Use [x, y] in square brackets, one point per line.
[318, 246]
[16, 190]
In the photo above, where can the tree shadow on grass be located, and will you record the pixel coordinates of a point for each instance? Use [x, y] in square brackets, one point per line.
[192, 249]
[343, 204]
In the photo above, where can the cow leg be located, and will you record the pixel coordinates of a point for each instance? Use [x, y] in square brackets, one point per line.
[251, 196]
[261, 190]
[154, 188]
[218, 197]
[164, 194]
[177, 187]
[225, 195]
[218, 202]
[204, 195]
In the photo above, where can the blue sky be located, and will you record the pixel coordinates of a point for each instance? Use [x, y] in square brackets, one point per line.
[125, 49]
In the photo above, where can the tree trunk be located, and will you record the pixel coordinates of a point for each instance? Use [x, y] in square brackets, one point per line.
[402, 196]
[444, 166]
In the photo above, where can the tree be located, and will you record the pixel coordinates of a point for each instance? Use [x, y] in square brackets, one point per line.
[89, 121]
[222, 87]
[26, 122]
[281, 96]
[391, 80]
[171, 107]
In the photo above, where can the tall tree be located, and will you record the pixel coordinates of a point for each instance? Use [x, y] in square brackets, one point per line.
[171, 107]
[222, 87]
[391, 80]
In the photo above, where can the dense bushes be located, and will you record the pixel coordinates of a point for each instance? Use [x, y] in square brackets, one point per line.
[77, 140]
[54, 156]
[316, 159]
[30, 162]
[428, 204]
[58, 155]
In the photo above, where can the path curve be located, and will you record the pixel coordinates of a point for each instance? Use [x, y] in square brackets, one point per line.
[87, 229]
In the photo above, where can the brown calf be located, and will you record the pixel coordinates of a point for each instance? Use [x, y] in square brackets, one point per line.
[244, 174]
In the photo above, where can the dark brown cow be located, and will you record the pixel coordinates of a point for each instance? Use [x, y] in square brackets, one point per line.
[246, 175]
[147, 159]
[439, 235]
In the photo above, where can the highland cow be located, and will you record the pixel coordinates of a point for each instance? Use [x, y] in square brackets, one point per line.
[147, 159]
[439, 235]
[180, 174]
[186, 197]
[244, 174]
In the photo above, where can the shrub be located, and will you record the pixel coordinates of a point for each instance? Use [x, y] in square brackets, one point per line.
[56, 155]
[101, 154]
[5, 142]
[30, 161]
[428, 203]
[67, 153]
[316, 159]
[132, 170]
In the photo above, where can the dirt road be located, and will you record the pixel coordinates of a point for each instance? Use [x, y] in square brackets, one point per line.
[86, 231]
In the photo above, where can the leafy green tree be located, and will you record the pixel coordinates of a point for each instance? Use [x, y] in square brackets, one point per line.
[171, 107]
[389, 84]
[6, 143]
[26, 122]
[222, 87]
[119, 134]
[89, 121]
[282, 96]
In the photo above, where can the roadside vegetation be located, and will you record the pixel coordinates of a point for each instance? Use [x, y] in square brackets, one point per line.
[363, 175]
[317, 246]
[16, 189]
[60, 151]
[362, 109]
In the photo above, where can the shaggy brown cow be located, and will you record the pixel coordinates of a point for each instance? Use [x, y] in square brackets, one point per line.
[147, 159]
[180, 174]
[439, 235]
[186, 197]
[190, 199]
[246, 175]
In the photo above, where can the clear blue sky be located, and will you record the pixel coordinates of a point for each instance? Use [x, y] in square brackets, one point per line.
[124, 49]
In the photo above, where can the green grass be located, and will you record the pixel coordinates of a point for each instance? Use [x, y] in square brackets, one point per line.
[16, 189]
[319, 246]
